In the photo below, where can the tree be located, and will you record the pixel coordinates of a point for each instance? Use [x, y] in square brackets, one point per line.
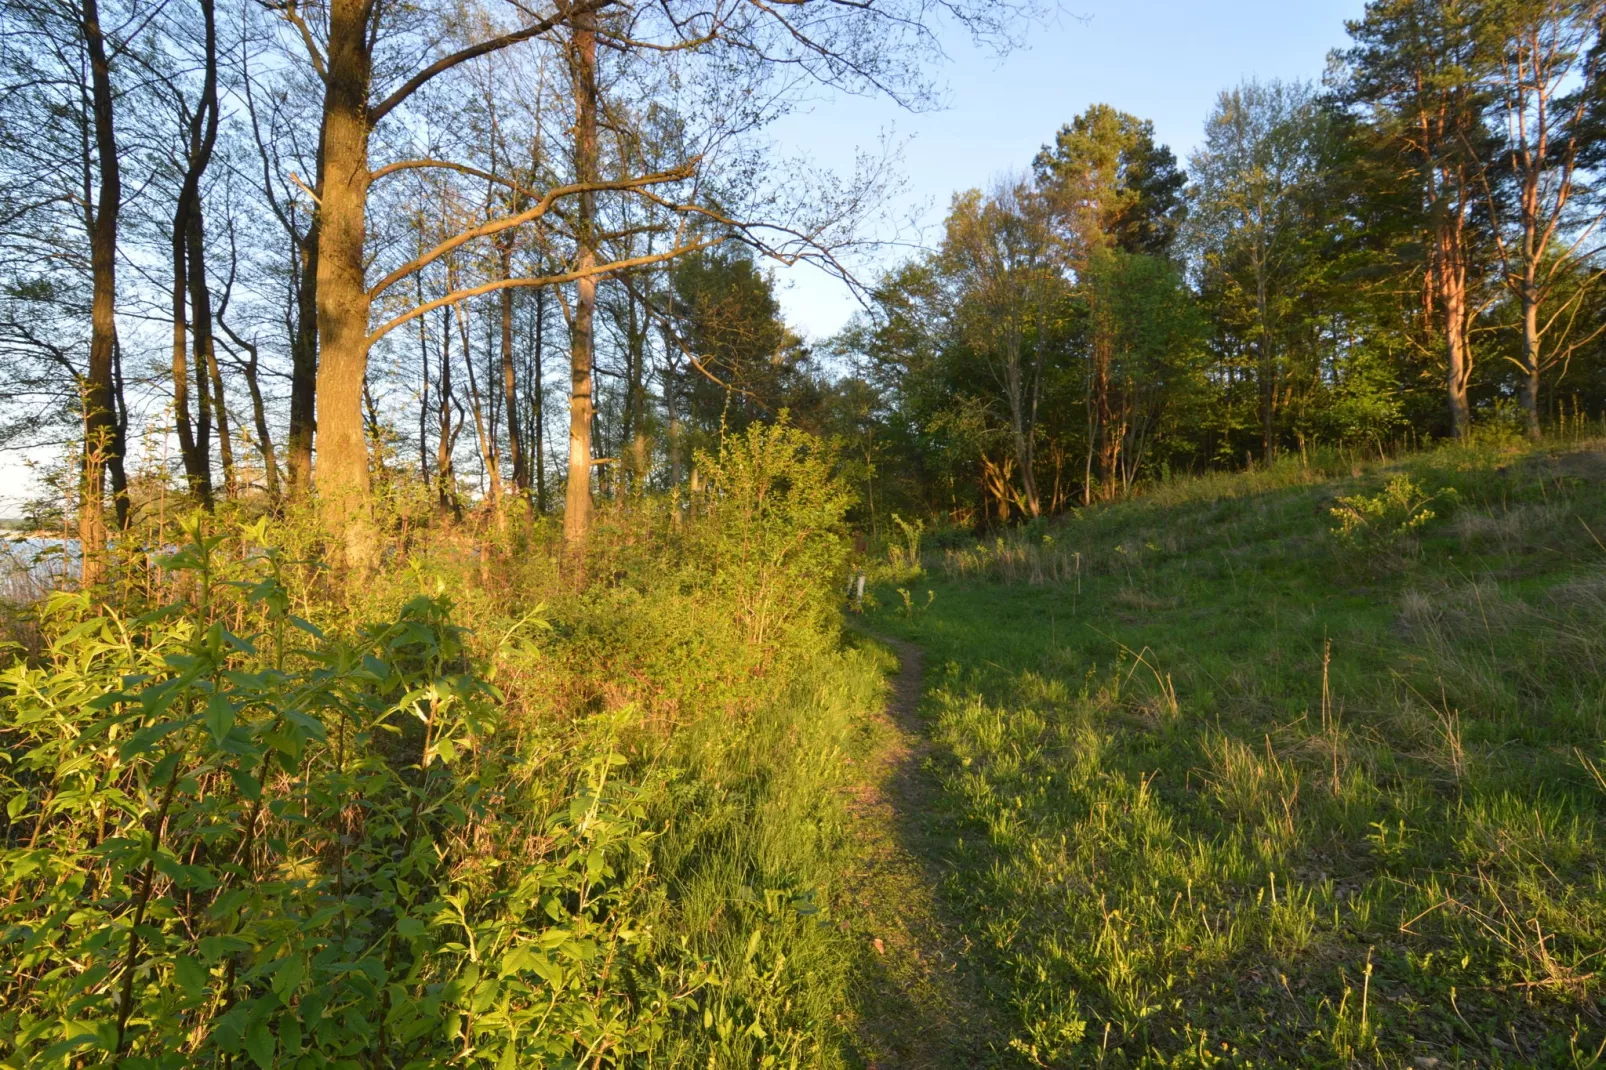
[1255, 224]
[1001, 254]
[1142, 314]
[1545, 225]
[1112, 182]
[1421, 67]
[189, 277]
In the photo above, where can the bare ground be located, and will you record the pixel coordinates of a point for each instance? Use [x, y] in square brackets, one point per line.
[919, 1006]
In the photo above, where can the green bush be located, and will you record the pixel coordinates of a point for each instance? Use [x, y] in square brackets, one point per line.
[1370, 523]
[224, 844]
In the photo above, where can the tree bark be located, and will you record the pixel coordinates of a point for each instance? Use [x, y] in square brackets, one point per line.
[343, 301]
[1530, 358]
[197, 476]
[510, 384]
[100, 418]
[259, 414]
[1450, 278]
[485, 437]
[209, 378]
[304, 357]
[446, 435]
[538, 402]
[577, 497]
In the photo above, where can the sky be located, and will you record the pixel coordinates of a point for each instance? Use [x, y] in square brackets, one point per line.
[1163, 60]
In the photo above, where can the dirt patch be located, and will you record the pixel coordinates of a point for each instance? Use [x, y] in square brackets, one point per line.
[919, 1005]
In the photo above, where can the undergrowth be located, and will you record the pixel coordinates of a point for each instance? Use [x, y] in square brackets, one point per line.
[488, 806]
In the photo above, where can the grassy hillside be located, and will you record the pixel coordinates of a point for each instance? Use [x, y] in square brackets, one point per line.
[1224, 785]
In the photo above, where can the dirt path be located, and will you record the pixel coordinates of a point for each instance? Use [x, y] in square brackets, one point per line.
[919, 1007]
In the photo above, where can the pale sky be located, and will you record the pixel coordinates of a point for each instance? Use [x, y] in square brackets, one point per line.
[1165, 60]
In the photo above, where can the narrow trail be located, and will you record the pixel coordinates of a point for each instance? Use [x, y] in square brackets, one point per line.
[920, 1008]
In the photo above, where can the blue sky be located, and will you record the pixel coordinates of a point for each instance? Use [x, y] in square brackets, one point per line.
[1165, 60]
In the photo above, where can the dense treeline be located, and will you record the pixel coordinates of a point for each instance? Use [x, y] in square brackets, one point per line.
[507, 256]
[252, 249]
[1408, 252]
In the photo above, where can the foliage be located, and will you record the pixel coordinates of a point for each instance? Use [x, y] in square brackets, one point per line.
[775, 551]
[1373, 522]
[224, 843]
[903, 551]
[416, 843]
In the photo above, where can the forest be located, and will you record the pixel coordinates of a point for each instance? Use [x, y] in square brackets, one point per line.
[459, 620]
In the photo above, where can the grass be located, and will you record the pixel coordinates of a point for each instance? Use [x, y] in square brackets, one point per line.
[752, 842]
[1221, 789]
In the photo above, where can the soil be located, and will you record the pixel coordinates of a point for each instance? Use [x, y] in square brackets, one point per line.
[920, 1006]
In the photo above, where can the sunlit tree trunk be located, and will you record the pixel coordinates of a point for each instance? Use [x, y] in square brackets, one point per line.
[343, 301]
[582, 408]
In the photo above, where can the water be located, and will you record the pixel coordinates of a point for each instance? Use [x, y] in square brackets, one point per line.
[31, 565]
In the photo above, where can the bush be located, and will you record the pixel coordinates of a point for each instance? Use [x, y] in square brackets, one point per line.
[224, 844]
[1372, 523]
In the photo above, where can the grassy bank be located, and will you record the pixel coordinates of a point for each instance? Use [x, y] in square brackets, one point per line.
[1225, 787]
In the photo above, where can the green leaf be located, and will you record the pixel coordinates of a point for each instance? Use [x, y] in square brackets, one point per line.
[246, 784]
[164, 768]
[259, 1044]
[287, 979]
[219, 717]
[191, 976]
[16, 805]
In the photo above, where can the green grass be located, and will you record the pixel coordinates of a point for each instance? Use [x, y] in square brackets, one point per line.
[1220, 791]
[751, 846]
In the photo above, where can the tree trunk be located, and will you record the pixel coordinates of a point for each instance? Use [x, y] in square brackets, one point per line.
[100, 419]
[304, 360]
[1268, 378]
[423, 393]
[1451, 277]
[343, 301]
[582, 409]
[446, 437]
[259, 415]
[672, 413]
[114, 461]
[197, 474]
[484, 437]
[538, 402]
[510, 385]
[209, 378]
[637, 423]
[1530, 358]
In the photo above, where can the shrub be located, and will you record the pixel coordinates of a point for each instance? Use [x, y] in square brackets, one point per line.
[1370, 523]
[223, 845]
[903, 551]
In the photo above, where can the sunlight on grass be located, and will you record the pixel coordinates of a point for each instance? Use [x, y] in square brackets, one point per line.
[1232, 787]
